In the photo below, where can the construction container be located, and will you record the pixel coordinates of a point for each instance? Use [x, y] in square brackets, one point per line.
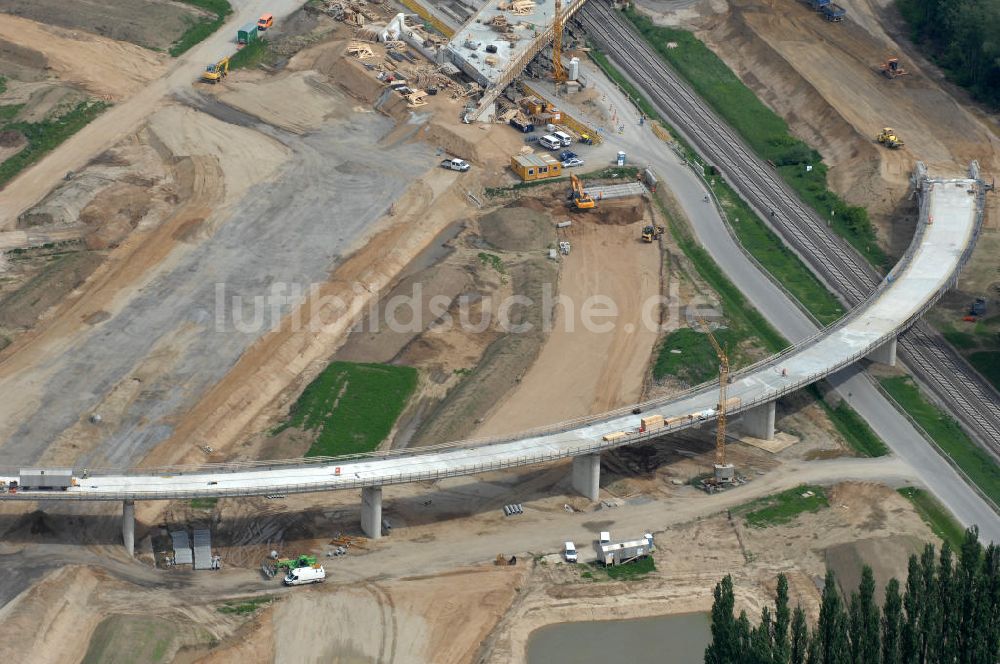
[651, 423]
[619, 553]
[535, 166]
[612, 437]
[247, 34]
[51, 478]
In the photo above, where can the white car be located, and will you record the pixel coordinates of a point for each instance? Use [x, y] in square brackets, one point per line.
[304, 575]
[455, 164]
[570, 552]
[572, 163]
[707, 413]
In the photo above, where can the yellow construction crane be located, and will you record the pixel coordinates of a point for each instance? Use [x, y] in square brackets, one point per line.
[723, 471]
[558, 73]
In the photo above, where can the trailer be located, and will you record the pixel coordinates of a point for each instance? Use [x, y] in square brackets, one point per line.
[51, 479]
[834, 13]
[619, 553]
[247, 34]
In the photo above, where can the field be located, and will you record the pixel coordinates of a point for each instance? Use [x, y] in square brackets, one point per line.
[936, 516]
[198, 29]
[350, 407]
[696, 361]
[782, 508]
[855, 430]
[946, 433]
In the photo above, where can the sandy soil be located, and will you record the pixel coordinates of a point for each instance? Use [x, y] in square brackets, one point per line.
[282, 101]
[608, 367]
[104, 67]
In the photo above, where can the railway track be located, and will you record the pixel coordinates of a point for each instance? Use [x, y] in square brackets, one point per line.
[953, 382]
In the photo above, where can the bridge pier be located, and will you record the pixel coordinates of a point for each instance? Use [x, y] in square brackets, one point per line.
[128, 526]
[759, 421]
[371, 511]
[587, 475]
[885, 354]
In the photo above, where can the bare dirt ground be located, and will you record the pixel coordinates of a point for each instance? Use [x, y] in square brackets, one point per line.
[143, 22]
[104, 67]
[608, 369]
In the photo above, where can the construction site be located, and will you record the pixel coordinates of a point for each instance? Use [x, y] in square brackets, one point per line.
[437, 309]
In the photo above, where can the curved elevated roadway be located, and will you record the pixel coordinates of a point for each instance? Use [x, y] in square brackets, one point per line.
[939, 249]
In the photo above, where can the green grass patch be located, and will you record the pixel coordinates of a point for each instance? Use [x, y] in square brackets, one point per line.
[245, 606]
[764, 130]
[696, 362]
[352, 407]
[46, 135]
[987, 362]
[958, 339]
[976, 463]
[936, 516]
[630, 571]
[251, 55]
[198, 30]
[492, 260]
[204, 503]
[852, 427]
[9, 112]
[3, 84]
[121, 639]
[782, 507]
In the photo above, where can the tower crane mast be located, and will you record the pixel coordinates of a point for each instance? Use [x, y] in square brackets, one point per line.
[723, 471]
[558, 72]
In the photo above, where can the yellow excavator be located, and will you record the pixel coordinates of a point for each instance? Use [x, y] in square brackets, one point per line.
[889, 138]
[581, 199]
[216, 72]
[650, 233]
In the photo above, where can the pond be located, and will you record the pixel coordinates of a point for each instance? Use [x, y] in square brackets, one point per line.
[675, 639]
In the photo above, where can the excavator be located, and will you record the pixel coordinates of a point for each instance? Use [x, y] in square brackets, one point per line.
[581, 199]
[216, 72]
[650, 233]
[892, 69]
[889, 139]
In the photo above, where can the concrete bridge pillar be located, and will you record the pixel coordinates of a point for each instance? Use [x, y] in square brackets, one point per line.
[587, 475]
[885, 354]
[759, 421]
[128, 526]
[371, 511]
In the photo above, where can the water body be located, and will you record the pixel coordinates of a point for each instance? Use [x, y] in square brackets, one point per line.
[677, 639]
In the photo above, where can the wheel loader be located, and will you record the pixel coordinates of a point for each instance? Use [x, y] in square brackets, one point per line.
[889, 139]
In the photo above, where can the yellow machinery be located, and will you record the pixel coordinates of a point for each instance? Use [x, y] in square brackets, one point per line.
[889, 139]
[217, 72]
[892, 69]
[558, 72]
[724, 473]
[581, 199]
[650, 233]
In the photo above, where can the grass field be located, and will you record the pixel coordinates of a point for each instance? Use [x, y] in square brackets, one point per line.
[199, 30]
[852, 427]
[632, 570]
[204, 503]
[948, 435]
[936, 516]
[121, 639]
[765, 131]
[250, 55]
[782, 507]
[352, 407]
[45, 136]
[696, 362]
[987, 362]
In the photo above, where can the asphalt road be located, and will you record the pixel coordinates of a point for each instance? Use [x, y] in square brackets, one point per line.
[853, 384]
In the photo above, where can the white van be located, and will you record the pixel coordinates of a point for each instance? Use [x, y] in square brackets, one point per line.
[304, 575]
[549, 141]
[605, 537]
[564, 138]
[570, 552]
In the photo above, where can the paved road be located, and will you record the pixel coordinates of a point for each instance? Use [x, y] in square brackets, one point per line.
[36, 182]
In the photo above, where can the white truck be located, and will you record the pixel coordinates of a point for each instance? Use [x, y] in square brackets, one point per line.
[569, 552]
[455, 164]
[303, 575]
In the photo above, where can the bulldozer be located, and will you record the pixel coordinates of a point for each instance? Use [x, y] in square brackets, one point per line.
[581, 199]
[889, 139]
[892, 69]
[216, 72]
[650, 233]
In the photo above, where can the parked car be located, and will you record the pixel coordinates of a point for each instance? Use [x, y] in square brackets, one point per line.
[572, 163]
[570, 552]
[567, 154]
[304, 575]
[455, 164]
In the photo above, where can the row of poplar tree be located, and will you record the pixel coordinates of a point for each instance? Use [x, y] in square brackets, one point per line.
[949, 612]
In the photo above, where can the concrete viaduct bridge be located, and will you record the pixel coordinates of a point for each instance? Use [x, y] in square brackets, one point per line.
[950, 219]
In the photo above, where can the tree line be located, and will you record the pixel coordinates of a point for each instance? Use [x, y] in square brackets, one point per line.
[948, 613]
[963, 37]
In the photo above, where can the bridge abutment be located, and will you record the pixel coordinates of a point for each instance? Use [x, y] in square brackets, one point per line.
[371, 511]
[587, 475]
[885, 354]
[128, 526]
[759, 421]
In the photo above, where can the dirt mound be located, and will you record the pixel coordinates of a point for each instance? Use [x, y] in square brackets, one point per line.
[11, 138]
[20, 62]
[517, 228]
[114, 212]
[621, 212]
